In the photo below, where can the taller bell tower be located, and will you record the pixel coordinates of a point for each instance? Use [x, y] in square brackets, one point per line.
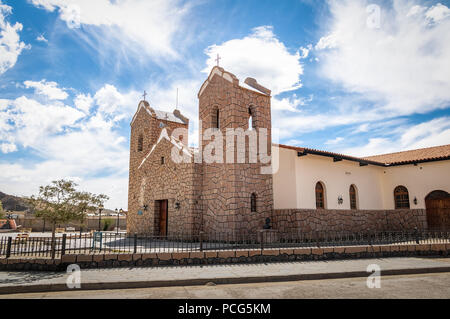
[237, 191]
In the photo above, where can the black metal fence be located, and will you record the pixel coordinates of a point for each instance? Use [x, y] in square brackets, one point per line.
[120, 243]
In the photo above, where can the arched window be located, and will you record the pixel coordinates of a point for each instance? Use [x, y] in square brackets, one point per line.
[320, 196]
[353, 200]
[215, 118]
[401, 197]
[251, 119]
[253, 203]
[140, 143]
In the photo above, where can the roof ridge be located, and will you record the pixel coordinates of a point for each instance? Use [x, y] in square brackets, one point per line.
[381, 159]
[413, 150]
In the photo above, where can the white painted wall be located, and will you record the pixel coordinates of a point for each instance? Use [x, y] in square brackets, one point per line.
[294, 183]
[285, 181]
[420, 180]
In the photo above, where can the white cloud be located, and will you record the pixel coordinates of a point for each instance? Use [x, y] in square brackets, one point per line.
[294, 142]
[164, 98]
[83, 102]
[437, 13]
[291, 125]
[149, 24]
[435, 132]
[10, 45]
[48, 89]
[305, 51]
[34, 122]
[8, 148]
[403, 65]
[114, 105]
[262, 56]
[85, 146]
[41, 38]
[290, 103]
[335, 141]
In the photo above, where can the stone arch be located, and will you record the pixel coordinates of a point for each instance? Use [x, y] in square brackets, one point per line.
[215, 117]
[251, 117]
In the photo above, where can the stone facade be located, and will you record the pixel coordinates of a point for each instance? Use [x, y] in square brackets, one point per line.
[150, 180]
[323, 220]
[213, 197]
[227, 188]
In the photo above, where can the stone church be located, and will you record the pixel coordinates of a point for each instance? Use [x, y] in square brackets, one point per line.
[174, 189]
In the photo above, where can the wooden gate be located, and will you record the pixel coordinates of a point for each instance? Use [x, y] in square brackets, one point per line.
[438, 210]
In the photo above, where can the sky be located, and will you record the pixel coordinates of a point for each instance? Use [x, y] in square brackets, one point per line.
[355, 77]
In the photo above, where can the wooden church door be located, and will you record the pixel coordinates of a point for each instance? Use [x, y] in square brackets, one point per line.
[163, 217]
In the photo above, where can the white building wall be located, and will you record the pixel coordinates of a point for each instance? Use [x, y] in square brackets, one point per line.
[420, 181]
[294, 183]
[285, 180]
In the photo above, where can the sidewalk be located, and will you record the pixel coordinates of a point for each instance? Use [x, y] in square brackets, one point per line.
[97, 279]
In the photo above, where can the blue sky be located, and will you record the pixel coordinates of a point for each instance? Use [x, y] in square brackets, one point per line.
[356, 77]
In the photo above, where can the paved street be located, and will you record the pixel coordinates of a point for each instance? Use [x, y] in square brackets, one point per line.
[412, 286]
[124, 278]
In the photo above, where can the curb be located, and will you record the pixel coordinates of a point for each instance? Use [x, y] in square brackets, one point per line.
[220, 281]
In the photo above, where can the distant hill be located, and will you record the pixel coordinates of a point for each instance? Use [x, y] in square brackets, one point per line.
[13, 203]
[20, 204]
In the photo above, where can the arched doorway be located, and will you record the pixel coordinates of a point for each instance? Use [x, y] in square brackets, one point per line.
[438, 210]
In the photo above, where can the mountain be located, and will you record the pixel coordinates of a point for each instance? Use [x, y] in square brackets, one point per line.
[13, 203]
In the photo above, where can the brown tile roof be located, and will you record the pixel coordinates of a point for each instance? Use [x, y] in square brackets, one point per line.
[399, 158]
[420, 155]
[330, 154]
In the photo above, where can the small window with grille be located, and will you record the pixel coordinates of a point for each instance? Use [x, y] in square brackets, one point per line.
[401, 197]
[320, 196]
[353, 204]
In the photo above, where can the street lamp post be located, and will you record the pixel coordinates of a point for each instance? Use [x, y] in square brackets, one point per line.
[100, 208]
[117, 223]
[118, 219]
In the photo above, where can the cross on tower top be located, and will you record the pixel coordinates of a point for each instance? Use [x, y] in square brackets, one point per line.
[218, 59]
[145, 94]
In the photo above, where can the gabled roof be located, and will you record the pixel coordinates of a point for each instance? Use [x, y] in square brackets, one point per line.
[430, 154]
[160, 115]
[166, 116]
[413, 156]
[249, 84]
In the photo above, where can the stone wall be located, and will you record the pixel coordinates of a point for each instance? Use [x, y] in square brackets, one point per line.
[177, 183]
[227, 188]
[295, 220]
[225, 257]
[150, 182]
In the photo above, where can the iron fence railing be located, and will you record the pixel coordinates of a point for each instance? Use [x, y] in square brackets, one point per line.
[121, 243]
